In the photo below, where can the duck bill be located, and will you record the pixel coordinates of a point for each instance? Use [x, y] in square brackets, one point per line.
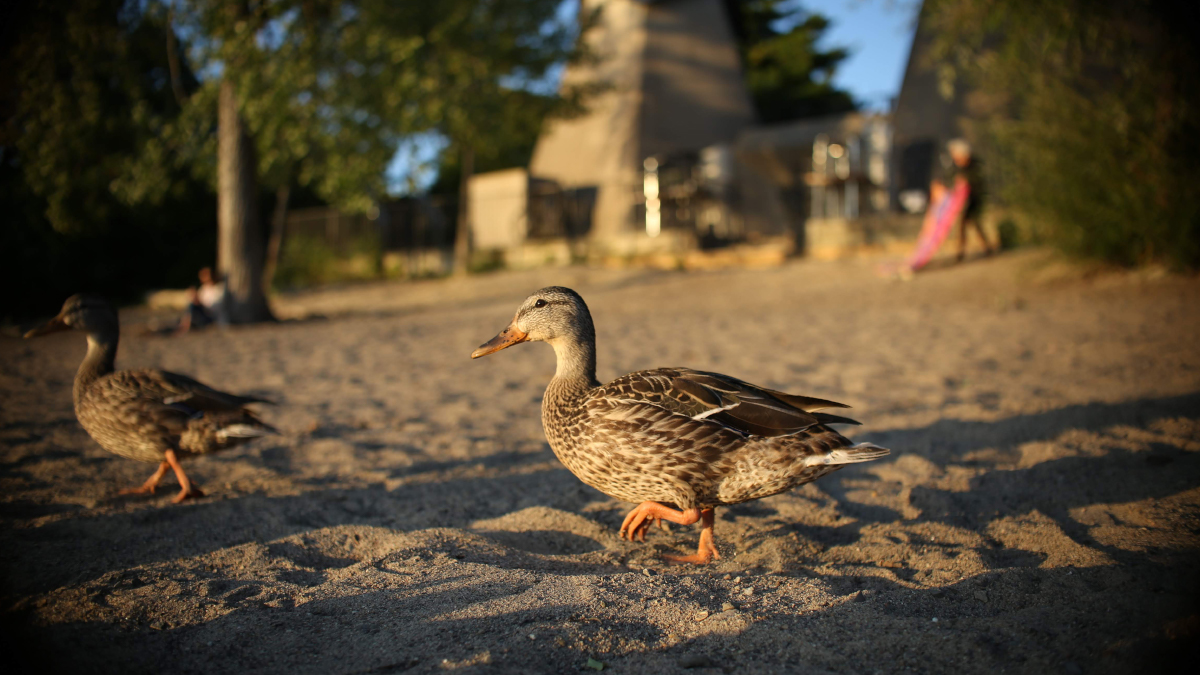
[52, 326]
[506, 338]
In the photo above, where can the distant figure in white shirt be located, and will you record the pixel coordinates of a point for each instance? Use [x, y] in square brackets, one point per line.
[207, 305]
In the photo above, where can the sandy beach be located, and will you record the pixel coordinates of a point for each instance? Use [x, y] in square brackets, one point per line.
[1040, 512]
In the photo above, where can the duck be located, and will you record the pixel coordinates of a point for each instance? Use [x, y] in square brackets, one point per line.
[675, 441]
[148, 415]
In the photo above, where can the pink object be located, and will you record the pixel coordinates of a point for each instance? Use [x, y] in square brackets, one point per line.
[939, 220]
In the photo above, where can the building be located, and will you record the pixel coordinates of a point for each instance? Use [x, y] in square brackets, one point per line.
[833, 175]
[928, 112]
[671, 158]
[623, 173]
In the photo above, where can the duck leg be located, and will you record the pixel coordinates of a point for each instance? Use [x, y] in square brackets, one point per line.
[186, 489]
[639, 520]
[707, 550]
[147, 488]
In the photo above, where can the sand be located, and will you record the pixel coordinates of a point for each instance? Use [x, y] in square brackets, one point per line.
[1040, 511]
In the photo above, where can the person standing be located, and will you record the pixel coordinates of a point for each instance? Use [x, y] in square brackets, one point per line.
[964, 167]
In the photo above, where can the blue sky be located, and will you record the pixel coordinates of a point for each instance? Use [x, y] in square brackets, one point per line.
[878, 34]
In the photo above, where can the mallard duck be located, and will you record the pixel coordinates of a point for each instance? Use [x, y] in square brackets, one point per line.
[149, 415]
[678, 442]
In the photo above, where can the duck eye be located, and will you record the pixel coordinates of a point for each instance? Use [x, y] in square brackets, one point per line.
[540, 303]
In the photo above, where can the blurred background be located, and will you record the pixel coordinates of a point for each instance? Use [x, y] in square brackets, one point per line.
[295, 143]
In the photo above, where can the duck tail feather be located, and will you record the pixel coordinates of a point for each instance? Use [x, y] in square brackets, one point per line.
[243, 430]
[863, 452]
[826, 418]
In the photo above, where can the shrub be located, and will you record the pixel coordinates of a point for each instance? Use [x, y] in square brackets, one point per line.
[1088, 112]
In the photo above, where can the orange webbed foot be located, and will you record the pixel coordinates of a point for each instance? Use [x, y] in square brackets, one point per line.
[705, 553]
[640, 520]
[193, 493]
[151, 483]
[187, 490]
[707, 549]
[140, 490]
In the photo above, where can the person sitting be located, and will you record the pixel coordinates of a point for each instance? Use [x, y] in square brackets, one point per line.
[207, 304]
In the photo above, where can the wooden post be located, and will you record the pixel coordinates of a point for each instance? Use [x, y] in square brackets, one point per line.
[462, 236]
[278, 227]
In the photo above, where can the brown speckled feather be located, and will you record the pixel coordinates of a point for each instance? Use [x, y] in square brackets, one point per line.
[677, 436]
[643, 437]
[726, 400]
[148, 415]
[139, 414]
[672, 437]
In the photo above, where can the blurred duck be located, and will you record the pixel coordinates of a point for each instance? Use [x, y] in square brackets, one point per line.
[679, 442]
[149, 415]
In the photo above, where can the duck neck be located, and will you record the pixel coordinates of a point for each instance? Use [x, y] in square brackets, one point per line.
[100, 359]
[576, 363]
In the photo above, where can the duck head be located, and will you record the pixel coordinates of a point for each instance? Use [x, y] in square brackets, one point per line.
[88, 313]
[553, 314]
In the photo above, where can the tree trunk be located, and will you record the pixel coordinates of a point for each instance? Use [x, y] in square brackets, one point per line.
[239, 236]
[173, 62]
[462, 237]
[278, 225]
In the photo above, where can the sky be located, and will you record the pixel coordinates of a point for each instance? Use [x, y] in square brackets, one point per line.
[878, 34]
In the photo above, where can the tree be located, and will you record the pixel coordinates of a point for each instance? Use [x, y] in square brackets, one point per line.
[483, 53]
[788, 76]
[83, 87]
[89, 89]
[504, 138]
[1089, 116]
[322, 92]
[289, 105]
[510, 141]
[316, 94]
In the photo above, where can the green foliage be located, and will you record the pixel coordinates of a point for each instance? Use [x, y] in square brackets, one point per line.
[107, 148]
[508, 143]
[308, 261]
[484, 102]
[787, 74]
[1010, 234]
[90, 90]
[330, 88]
[1089, 114]
[86, 87]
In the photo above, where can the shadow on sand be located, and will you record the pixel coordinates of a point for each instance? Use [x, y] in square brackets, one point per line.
[1137, 613]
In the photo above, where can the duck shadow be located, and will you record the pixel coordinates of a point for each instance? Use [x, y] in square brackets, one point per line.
[1059, 489]
[87, 547]
[948, 440]
[72, 550]
[1145, 591]
[462, 616]
[1055, 487]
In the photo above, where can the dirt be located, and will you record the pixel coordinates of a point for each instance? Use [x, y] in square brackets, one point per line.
[1040, 511]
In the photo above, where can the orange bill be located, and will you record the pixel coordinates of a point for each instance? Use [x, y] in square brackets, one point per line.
[52, 326]
[506, 338]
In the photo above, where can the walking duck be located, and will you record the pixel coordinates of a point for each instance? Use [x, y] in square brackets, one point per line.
[678, 442]
[149, 415]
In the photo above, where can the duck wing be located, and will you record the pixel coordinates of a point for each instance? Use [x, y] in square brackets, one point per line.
[177, 410]
[724, 400]
[175, 389]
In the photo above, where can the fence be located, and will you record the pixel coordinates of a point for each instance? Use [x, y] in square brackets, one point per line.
[401, 225]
